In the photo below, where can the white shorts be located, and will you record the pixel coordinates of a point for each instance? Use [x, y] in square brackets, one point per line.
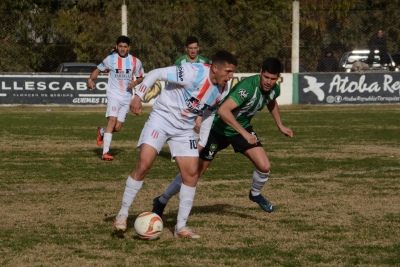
[117, 108]
[157, 131]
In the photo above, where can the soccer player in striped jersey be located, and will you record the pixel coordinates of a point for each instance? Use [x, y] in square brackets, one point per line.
[124, 73]
[232, 126]
[191, 89]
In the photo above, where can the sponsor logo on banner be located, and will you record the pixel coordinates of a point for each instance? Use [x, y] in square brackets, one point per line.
[353, 88]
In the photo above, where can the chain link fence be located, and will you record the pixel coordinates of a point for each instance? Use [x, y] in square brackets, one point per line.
[47, 37]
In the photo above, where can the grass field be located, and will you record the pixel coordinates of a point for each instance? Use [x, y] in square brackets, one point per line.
[335, 185]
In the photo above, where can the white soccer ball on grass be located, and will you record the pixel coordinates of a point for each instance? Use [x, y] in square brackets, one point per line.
[148, 225]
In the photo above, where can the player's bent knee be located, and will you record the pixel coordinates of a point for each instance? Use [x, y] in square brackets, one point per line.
[117, 127]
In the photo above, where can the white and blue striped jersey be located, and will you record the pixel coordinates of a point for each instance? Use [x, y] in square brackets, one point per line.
[121, 71]
[189, 91]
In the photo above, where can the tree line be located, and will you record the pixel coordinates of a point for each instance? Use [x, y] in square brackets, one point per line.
[37, 35]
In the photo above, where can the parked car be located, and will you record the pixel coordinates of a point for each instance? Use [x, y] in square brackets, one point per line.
[356, 60]
[396, 58]
[76, 67]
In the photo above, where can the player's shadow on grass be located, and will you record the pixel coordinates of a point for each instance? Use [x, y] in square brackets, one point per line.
[169, 217]
[113, 152]
[130, 222]
[225, 209]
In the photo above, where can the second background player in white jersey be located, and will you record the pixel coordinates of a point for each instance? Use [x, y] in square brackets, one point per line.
[124, 73]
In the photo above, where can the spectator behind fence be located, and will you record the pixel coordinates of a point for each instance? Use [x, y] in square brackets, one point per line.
[378, 41]
[328, 62]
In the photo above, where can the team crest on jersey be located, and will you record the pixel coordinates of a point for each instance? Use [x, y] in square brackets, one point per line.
[243, 93]
[194, 105]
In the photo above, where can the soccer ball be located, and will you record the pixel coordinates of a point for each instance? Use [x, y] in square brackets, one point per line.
[148, 225]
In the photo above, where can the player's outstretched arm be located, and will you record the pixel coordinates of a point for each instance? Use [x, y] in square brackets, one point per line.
[91, 79]
[274, 110]
[225, 112]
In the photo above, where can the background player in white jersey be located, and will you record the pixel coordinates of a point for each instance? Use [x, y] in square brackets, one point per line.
[191, 89]
[124, 73]
[232, 126]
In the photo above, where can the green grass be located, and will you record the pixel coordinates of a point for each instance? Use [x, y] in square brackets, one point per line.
[335, 186]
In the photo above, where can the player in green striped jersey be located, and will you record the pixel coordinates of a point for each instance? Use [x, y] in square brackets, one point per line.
[232, 126]
[192, 49]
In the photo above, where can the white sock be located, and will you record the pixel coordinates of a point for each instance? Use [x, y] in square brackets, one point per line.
[186, 196]
[259, 179]
[173, 188]
[102, 131]
[131, 189]
[107, 137]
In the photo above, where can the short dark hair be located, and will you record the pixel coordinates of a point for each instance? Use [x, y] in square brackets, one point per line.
[224, 56]
[191, 40]
[123, 39]
[272, 65]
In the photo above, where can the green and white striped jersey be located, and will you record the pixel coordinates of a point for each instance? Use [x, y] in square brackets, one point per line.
[200, 59]
[250, 100]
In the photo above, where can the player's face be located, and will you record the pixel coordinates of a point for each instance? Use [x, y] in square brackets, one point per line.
[223, 73]
[268, 81]
[123, 49]
[192, 50]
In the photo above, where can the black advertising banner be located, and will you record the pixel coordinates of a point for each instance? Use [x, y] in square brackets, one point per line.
[51, 89]
[65, 89]
[349, 88]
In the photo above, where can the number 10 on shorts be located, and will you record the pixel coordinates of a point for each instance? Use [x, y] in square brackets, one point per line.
[193, 144]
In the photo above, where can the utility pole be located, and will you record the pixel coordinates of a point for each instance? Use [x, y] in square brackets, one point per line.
[296, 37]
[124, 21]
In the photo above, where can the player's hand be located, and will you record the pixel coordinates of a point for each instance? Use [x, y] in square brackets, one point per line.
[91, 84]
[132, 84]
[251, 139]
[136, 105]
[286, 131]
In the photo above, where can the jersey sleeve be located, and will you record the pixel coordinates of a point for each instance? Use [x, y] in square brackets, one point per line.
[239, 95]
[105, 64]
[181, 75]
[276, 91]
[139, 70]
